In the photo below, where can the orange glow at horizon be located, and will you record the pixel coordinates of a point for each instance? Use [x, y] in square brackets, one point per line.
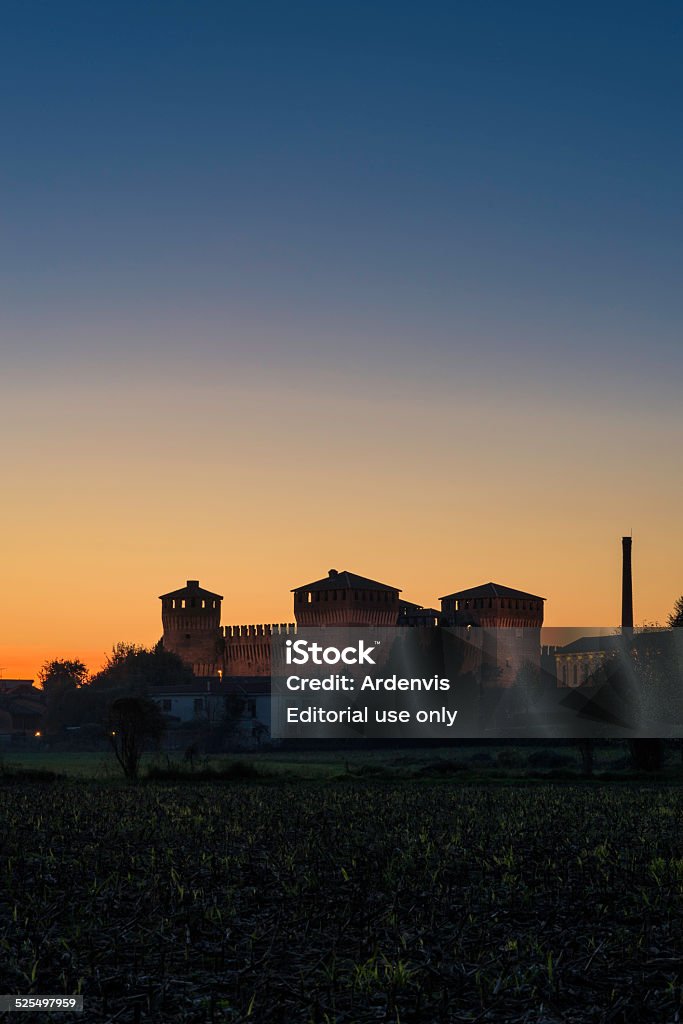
[260, 486]
[135, 616]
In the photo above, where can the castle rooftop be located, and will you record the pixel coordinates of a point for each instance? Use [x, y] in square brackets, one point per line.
[491, 590]
[345, 581]
[192, 589]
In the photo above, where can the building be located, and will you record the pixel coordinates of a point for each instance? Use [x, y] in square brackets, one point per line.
[210, 703]
[191, 618]
[577, 662]
[22, 709]
[508, 624]
[345, 599]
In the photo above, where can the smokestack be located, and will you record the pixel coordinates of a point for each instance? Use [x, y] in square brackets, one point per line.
[626, 588]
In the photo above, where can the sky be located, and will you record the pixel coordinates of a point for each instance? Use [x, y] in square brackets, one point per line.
[386, 287]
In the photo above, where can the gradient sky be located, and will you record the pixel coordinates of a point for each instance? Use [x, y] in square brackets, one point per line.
[386, 287]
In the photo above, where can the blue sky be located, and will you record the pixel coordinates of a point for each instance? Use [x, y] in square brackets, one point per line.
[506, 172]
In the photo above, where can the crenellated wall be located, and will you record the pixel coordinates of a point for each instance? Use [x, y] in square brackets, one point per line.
[247, 648]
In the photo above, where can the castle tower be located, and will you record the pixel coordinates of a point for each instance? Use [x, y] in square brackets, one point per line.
[344, 599]
[191, 619]
[511, 623]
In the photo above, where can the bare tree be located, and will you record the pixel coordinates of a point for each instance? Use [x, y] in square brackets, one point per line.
[133, 722]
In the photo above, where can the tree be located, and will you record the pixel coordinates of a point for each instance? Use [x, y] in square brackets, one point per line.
[222, 723]
[133, 722]
[676, 617]
[64, 684]
[132, 670]
[62, 673]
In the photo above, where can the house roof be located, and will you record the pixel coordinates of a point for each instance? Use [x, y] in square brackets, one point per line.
[192, 589]
[213, 686]
[410, 608]
[345, 581]
[590, 644]
[195, 688]
[492, 590]
[19, 686]
[259, 686]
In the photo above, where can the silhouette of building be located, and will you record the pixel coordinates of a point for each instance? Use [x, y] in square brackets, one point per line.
[191, 617]
[510, 622]
[344, 599]
[22, 709]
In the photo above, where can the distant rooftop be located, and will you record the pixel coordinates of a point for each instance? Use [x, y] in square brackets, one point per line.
[589, 644]
[345, 581]
[492, 590]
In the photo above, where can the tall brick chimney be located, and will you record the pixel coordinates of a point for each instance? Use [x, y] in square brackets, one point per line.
[626, 588]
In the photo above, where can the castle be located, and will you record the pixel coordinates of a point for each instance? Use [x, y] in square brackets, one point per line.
[191, 618]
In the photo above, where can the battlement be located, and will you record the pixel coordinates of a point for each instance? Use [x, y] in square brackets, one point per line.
[247, 649]
[260, 630]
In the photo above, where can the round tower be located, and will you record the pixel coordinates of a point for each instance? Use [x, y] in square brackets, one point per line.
[191, 619]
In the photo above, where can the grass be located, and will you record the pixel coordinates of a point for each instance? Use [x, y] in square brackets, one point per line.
[311, 904]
